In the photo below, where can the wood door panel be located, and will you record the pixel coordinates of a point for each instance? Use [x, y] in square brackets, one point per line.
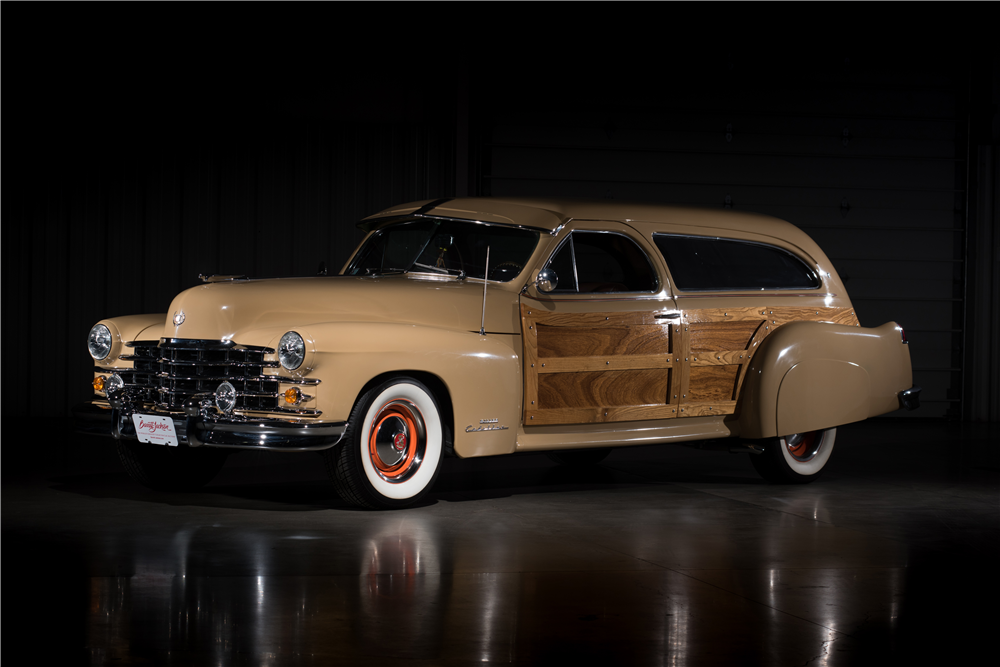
[712, 384]
[600, 415]
[708, 336]
[585, 341]
[603, 389]
[596, 367]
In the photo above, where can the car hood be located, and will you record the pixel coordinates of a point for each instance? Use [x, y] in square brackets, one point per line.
[233, 310]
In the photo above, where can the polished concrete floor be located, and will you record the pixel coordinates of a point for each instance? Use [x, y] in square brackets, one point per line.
[660, 556]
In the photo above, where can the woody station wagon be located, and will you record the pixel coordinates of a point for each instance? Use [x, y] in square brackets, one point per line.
[477, 327]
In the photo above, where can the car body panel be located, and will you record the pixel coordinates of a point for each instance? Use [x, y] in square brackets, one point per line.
[572, 370]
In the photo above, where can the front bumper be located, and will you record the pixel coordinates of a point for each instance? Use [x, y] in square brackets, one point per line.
[199, 427]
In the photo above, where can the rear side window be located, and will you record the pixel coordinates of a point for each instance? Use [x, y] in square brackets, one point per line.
[701, 263]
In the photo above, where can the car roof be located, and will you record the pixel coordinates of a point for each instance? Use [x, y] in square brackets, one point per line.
[549, 214]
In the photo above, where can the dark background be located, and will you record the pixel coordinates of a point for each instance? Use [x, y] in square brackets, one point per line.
[143, 146]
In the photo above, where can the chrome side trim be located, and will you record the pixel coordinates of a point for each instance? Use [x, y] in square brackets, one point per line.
[142, 343]
[287, 380]
[308, 412]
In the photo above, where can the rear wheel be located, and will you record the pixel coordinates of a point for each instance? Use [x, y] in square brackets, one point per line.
[795, 459]
[170, 468]
[391, 452]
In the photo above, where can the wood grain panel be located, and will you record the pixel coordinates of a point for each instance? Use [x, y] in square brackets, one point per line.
[729, 335]
[720, 358]
[604, 363]
[712, 383]
[774, 315]
[605, 367]
[600, 415]
[602, 389]
[588, 319]
[708, 409]
[564, 341]
[722, 314]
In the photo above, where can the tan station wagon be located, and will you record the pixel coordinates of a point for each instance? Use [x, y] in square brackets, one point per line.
[477, 327]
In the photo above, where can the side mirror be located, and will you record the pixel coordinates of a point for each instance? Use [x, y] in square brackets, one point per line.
[547, 280]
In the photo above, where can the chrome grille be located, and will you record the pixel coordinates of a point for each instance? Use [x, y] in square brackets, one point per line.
[172, 370]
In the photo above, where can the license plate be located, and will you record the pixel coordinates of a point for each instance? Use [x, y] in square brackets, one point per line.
[155, 429]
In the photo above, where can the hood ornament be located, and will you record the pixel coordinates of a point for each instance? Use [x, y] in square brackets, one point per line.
[178, 318]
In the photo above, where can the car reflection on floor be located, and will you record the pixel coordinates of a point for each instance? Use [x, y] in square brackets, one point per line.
[661, 555]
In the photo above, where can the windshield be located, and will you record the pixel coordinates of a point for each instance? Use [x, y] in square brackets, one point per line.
[449, 247]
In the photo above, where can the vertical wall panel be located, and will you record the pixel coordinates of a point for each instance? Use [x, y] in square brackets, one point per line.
[865, 164]
[121, 226]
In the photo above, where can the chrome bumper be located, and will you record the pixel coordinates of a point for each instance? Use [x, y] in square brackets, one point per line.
[910, 399]
[199, 427]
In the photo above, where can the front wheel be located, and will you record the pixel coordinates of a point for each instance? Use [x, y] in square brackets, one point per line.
[390, 455]
[795, 459]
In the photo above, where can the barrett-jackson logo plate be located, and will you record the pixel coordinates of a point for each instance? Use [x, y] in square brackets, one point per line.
[155, 429]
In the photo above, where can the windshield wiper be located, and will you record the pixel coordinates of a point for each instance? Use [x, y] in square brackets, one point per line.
[382, 272]
[458, 273]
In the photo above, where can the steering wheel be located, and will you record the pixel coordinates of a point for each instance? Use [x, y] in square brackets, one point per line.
[504, 271]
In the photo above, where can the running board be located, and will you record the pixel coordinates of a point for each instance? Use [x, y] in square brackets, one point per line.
[650, 432]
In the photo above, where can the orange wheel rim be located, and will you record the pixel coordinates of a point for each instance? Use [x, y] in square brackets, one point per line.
[803, 446]
[396, 440]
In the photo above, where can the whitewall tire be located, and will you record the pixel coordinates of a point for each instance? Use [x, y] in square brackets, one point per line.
[795, 459]
[391, 452]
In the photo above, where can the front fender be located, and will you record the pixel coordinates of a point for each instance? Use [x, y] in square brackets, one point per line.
[482, 374]
[812, 375]
[127, 328]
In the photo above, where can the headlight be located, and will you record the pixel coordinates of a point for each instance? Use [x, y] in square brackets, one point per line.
[291, 350]
[99, 342]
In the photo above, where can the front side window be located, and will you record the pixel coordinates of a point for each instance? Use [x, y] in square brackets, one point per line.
[702, 263]
[602, 262]
[450, 247]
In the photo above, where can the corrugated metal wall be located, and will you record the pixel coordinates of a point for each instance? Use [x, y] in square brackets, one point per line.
[114, 210]
[869, 163]
[100, 230]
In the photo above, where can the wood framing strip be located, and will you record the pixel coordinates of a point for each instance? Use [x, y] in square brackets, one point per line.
[708, 409]
[600, 415]
[719, 357]
[604, 363]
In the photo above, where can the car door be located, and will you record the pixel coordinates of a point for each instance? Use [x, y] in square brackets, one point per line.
[599, 346]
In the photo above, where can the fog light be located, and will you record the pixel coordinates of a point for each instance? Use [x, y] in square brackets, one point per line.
[114, 384]
[293, 396]
[98, 383]
[225, 397]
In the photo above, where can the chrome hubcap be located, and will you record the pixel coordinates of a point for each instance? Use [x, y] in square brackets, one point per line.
[396, 441]
[804, 446]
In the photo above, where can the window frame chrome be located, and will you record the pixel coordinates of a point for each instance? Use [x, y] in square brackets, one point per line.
[810, 264]
[657, 287]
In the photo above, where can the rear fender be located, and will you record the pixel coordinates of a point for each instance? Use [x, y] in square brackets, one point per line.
[813, 375]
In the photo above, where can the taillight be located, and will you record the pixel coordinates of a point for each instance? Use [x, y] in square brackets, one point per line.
[902, 335]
